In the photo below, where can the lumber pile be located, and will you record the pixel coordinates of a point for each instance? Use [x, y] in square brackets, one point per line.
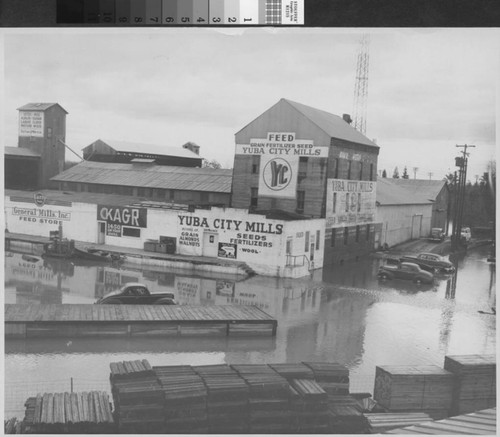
[309, 405]
[138, 397]
[227, 399]
[382, 422]
[426, 389]
[293, 370]
[475, 382]
[345, 415]
[69, 413]
[332, 377]
[269, 407]
[185, 400]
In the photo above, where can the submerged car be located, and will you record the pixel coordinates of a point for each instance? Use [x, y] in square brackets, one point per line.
[136, 294]
[437, 234]
[407, 271]
[431, 262]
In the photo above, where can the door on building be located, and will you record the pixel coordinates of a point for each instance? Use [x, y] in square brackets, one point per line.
[311, 253]
[416, 226]
[101, 232]
[210, 244]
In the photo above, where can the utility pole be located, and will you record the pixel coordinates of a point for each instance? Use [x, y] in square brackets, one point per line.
[461, 163]
[430, 175]
[415, 169]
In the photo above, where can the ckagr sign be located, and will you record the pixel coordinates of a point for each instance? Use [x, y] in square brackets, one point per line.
[123, 215]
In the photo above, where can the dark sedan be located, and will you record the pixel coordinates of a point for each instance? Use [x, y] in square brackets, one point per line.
[431, 262]
[136, 294]
[408, 271]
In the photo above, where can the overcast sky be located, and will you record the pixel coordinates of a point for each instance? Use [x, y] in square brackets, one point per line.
[428, 91]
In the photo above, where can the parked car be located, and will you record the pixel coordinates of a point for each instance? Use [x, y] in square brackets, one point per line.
[432, 262]
[437, 234]
[466, 234]
[405, 270]
[136, 294]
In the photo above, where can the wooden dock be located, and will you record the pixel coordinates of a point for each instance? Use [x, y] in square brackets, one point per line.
[28, 321]
[479, 423]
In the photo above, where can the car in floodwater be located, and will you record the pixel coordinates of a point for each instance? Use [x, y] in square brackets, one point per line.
[407, 271]
[432, 262]
[134, 293]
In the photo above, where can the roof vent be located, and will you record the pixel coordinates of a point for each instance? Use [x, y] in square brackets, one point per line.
[347, 118]
[192, 146]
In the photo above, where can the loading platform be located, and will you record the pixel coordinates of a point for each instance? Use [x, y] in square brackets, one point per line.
[72, 320]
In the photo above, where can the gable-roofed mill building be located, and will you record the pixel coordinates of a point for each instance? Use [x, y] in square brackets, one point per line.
[307, 161]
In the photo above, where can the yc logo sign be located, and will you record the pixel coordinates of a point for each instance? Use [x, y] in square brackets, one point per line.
[277, 174]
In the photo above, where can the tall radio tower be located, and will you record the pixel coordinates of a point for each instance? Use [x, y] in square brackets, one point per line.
[361, 85]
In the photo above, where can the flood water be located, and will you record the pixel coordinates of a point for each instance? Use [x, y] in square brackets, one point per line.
[343, 314]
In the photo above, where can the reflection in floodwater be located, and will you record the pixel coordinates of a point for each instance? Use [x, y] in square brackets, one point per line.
[341, 314]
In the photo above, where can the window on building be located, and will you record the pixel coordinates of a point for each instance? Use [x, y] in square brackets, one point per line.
[318, 238]
[336, 168]
[141, 192]
[131, 232]
[360, 171]
[204, 196]
[359, 202]
[254, 197]
[334, 236]
[49, 132]
[255, 164]
[306, 245]
[301, 196]
[334, 203]
[349, 167]
[172, 195]
[357, 234]
[371, 172]
[346, 202]
[302, 168]
[274, 202]
[367, 232]
[346, 235]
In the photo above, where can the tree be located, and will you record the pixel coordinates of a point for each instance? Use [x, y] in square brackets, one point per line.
[395, 175]
[384, 174]
[210, 164]
[405, 174]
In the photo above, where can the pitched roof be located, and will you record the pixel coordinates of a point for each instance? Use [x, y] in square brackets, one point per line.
[154, 149]
[389, 192]
[149, 176]
[428, 189]
[39, 107]
[20, 151]
[331, 124]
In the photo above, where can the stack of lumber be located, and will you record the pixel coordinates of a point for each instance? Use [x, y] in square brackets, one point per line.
[309, 405]
[185, 400]
[293, 371]
[269, 407]
[475, 382]
[69, 413]
[332, 377]
[138, 397]
[227, 399]
[382, 422]
[346, 415]
[427, 389]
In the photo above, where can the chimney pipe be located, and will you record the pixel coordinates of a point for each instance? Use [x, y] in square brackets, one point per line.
[347, 118]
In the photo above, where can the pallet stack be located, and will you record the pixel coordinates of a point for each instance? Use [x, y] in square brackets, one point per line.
[332, 377]
[475, 382]
[309, 406]
[138, 397]
[427, 389]
[269, 407]
[227, 399]
[69, 413]
[345, 415]
[185, 400]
